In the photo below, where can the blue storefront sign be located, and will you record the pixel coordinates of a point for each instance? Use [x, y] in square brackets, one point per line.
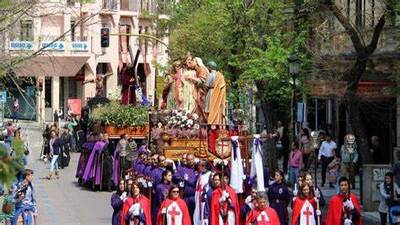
[55, 46]
[21, 45]
[82, 46]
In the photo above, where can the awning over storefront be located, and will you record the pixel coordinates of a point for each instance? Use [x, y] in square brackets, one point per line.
[62, 66]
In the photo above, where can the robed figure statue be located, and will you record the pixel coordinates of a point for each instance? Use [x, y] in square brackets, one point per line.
[128, 95]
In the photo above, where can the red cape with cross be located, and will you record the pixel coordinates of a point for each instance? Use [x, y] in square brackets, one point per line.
[145, 205]
[297, 210]
[268, 216]
[176, 211]
[335, 211]
[215, 204]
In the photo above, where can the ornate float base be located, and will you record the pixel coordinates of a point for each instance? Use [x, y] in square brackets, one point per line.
[134, 131]
[179, 147]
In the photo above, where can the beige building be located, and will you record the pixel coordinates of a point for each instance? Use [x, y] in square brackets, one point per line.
[380, 106]
[69, 65]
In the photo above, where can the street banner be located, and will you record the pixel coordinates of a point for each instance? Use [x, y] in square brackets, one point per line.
[300, 112]
[75, 105]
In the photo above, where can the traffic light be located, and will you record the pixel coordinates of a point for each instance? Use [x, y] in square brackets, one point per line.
[105, 37]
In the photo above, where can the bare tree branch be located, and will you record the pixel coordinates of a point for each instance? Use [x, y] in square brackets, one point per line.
[345, 22]
[376, 35]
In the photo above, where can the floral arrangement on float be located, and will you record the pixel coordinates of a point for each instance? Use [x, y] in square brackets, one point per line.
[180, 125]
[121, 119]
[180, 119]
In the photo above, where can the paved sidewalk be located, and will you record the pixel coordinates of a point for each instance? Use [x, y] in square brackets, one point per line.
[63, 202]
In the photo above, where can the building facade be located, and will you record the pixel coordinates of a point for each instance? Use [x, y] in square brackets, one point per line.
[379, 104]
[67, 34]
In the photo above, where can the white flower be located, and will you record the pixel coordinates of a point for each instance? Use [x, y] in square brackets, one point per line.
[196, 126]
[195, 116]
[182, 125]
[190, 122]
[184, 117]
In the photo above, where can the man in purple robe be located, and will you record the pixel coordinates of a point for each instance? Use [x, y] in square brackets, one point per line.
[83, 158]
[116, 176]
[187, 177]
[93, 166]
[153, 161]
[139, 164]
[156, 173]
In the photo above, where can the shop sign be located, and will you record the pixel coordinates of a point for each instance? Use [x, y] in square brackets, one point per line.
[81, 46]
[21, 45]
[53, 46]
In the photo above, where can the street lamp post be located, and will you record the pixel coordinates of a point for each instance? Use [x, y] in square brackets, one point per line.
[294, 68]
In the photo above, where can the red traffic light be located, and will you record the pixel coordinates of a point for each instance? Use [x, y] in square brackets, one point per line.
[105, 37]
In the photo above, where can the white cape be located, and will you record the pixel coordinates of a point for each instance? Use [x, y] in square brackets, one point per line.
[237, 173]
[257, 169]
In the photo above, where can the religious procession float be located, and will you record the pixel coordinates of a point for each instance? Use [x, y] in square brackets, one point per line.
[191, 118]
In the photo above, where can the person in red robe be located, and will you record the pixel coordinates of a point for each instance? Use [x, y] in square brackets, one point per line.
[262, 214]
[224, 205]
[173, 210]
[136, 209]
[305, 211]
[344, 208]
[128, 94]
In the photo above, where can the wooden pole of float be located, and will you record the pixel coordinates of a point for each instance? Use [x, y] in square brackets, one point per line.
[142, 35]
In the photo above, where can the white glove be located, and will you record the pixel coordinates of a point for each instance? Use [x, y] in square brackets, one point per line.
[205, 222]
[123, 197]
[248, 200]
[295, 192]
[349, 204]
[225, 194]
[222, 199]
[317, 193]
[294, 199]
[348, 222]
[134, 210]
[318, 212]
